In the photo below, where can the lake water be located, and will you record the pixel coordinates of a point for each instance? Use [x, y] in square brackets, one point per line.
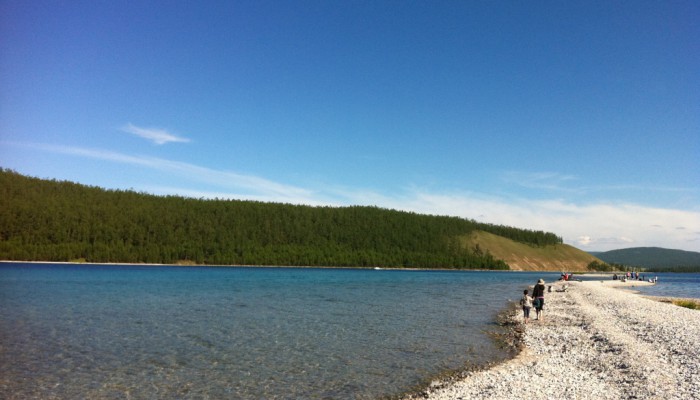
[143, 332]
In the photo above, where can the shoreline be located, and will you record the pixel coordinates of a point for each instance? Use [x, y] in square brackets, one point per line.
[594, 342]
[261, 266]
[603, 275]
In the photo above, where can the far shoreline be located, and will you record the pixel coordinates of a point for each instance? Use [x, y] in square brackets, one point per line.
[383, 268]
[193, 265]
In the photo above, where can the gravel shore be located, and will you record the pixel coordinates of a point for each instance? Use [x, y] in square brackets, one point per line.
[595, 341]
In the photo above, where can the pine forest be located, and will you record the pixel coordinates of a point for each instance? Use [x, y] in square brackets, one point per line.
[49, 220]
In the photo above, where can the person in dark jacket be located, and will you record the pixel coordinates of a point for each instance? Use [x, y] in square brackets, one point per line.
[538, 297]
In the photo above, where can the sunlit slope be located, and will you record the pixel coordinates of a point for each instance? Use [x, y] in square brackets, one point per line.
[524, 257]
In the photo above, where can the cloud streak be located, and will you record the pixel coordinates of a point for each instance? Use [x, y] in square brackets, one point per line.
[570, 184]
[250, 186]
[540, 180]
[157, 136]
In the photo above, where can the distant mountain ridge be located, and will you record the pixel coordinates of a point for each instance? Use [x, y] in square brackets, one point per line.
[651, 257]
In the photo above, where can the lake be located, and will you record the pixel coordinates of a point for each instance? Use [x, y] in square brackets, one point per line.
[109, 331]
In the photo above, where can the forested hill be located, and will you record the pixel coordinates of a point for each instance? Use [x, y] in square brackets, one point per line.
[52, 220]
[654, 258]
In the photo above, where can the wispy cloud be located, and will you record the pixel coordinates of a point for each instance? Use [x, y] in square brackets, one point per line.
[540, 180]
[155, 135]
[555, 182]
[249, 184]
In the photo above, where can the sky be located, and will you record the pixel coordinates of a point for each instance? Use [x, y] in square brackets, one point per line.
[580, 118]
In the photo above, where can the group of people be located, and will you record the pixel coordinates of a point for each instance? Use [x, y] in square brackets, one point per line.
[633, 276]
[536, 300]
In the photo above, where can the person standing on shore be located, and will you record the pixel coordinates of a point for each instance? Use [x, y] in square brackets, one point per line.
[538, 296]
[526, 302]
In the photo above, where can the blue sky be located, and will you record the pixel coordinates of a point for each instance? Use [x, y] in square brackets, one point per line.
[581, 118]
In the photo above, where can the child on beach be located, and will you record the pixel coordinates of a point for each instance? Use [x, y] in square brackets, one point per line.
[526, 302]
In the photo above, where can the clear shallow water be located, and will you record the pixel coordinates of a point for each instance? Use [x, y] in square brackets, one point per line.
[77, 331]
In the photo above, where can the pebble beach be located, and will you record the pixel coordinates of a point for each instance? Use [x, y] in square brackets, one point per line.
[596, 340]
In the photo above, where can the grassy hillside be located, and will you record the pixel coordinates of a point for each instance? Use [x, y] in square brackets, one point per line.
[524, 257]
